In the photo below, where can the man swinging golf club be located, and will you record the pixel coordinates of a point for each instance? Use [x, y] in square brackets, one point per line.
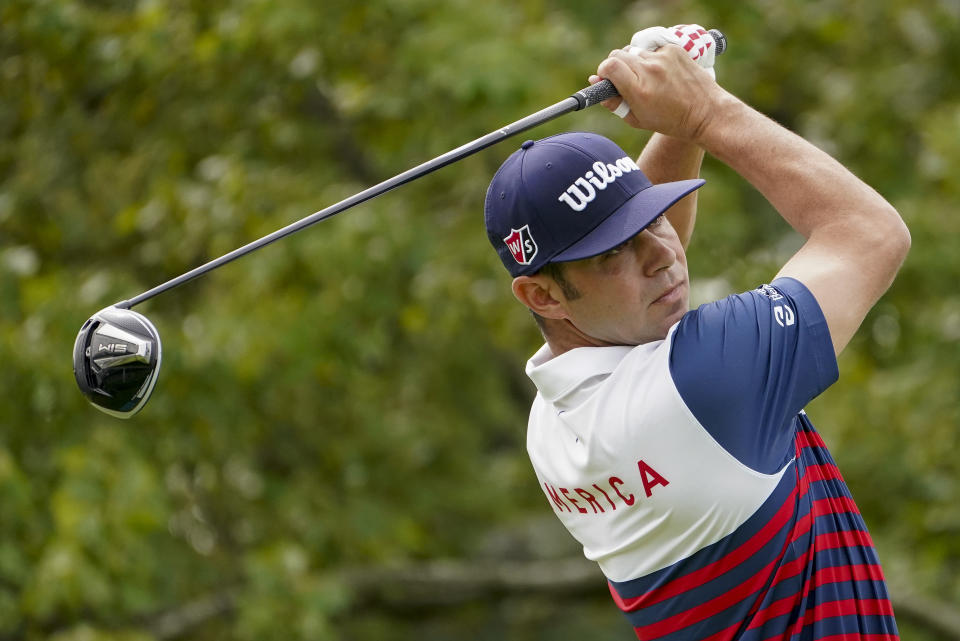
[671, 443]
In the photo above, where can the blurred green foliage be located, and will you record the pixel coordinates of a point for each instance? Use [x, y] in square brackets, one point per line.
[354, 396]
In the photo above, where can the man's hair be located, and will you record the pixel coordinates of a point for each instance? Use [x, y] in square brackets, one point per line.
[556, 272]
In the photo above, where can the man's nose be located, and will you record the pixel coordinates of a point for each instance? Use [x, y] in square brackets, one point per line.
[655, 252]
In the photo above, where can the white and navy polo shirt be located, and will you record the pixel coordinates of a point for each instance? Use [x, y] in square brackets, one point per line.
[689, 472]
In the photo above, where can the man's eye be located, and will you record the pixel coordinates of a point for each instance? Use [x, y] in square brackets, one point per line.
[613, 252]
[657, 221]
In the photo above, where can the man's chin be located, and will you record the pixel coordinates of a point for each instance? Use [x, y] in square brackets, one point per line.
[674, 314]
[675, 317]
[658, 330]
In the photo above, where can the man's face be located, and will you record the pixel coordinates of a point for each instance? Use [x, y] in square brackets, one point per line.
[634, 293]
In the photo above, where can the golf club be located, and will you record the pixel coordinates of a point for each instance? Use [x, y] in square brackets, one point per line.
[117, 353]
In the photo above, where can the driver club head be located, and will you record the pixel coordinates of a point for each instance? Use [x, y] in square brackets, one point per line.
[116, 360]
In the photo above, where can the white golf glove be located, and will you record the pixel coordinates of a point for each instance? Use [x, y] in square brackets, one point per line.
[693, 38]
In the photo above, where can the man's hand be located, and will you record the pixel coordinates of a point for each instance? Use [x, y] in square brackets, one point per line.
[692, 38]
[666, 90]
[696, 41]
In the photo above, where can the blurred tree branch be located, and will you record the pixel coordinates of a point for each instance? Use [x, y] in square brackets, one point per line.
[179, 620]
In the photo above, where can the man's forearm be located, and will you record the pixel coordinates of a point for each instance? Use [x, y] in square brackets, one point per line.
[665, 159]
[804, 184]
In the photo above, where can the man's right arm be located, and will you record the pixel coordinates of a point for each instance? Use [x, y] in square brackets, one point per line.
[856, 241]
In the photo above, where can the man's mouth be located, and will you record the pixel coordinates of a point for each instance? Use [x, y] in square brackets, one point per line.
[670, 296]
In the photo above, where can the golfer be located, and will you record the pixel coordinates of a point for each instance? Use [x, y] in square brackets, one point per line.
[672, 443]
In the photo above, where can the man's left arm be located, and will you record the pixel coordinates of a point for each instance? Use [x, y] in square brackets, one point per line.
[665, 159]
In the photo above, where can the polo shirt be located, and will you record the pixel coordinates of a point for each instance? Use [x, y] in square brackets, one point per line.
[690, 473]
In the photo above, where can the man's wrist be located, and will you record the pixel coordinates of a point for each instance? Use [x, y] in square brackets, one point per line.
[666, 158]
[723, 115]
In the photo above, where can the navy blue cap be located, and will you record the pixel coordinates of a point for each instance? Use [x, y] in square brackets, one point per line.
[569, 197]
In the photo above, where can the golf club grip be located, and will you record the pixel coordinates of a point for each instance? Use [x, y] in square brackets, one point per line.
[589, 96]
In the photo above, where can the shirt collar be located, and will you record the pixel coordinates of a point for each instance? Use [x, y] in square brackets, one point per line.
[558, 376]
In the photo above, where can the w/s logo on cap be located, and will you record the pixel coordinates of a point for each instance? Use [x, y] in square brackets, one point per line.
[521, 245]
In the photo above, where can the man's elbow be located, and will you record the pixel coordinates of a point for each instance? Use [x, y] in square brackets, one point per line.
[890, 241]
[899, 237]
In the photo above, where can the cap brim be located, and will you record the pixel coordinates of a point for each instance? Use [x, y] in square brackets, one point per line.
[629, 220]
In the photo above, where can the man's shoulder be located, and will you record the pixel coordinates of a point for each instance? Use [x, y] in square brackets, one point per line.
[764, 297]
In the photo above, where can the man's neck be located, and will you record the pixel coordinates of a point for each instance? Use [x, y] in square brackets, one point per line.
[563, 336]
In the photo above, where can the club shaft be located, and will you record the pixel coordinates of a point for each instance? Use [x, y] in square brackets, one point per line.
[586, 97]
[583, 98]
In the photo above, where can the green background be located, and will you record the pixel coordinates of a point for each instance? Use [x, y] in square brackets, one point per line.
[335, 447]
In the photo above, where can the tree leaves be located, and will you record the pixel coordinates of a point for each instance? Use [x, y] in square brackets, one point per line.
[354, 395]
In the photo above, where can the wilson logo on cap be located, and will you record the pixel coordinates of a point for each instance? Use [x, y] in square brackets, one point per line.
[602, 175]
[521, 245]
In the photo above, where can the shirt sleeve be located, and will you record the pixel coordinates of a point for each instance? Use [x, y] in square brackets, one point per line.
[747, 364]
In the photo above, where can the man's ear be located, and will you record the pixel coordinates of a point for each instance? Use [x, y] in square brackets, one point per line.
[537, 293]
